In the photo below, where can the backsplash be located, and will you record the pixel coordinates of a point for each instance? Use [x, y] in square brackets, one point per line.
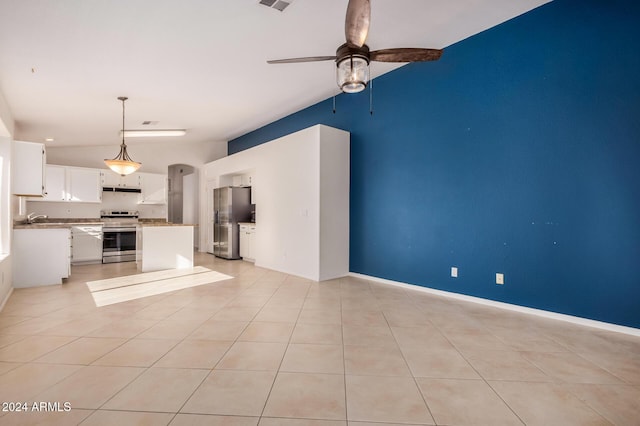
[110, 201]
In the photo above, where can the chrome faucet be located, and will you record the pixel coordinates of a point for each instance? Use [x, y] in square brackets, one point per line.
[32, 217]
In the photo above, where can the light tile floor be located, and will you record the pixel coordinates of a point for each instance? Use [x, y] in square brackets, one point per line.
[270, 349]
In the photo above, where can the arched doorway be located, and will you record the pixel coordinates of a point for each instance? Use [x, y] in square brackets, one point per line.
[183, 194]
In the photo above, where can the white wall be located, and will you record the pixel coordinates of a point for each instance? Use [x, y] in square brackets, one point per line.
[155, 158]
[5, 219]
[287, 182]
[334, 201]
[6, 132]
[191, 204]
[190, 201]
[110, 201]
[7, 125]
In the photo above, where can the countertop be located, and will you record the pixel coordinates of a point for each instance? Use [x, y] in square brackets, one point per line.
[58, 224]
[149, 224]
[54, 223]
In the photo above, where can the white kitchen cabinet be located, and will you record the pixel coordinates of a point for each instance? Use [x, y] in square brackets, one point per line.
[111, 179]
[247, 179]
[55, 184]
[86, 244]
[29, 159]
[153, 188]
[247, 241]
[40, 256]
[71, 184]
[84, 185]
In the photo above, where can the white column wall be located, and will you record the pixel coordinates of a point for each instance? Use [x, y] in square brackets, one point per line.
[334, 203]
[287, 188]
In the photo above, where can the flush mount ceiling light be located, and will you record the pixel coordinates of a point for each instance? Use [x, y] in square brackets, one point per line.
[152, 133]
[123, 164]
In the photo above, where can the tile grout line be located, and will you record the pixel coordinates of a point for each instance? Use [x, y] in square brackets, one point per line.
[217, 362]
[277, 372]
[344, 359]
[415, 381]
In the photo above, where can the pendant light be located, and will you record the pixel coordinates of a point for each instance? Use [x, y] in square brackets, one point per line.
[123, 164]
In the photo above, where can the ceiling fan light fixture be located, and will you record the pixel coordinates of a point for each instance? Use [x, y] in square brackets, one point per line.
[122, 164]
[352, 68]
[352, 73]
[353, 57]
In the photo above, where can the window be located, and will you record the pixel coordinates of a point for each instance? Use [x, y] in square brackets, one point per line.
[5, 196]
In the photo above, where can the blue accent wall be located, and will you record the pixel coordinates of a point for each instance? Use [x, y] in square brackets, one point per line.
[518, 152]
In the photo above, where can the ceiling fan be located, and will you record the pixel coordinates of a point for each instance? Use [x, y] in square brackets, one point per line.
[353, 57]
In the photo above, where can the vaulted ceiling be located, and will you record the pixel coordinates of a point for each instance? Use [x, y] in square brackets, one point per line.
[198, 65]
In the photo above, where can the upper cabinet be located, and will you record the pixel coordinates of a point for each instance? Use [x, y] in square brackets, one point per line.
[244, 179]
[71, 184]
[154, 188]
[84, 185]
[55, 184]
[111, 179]
[29, 159]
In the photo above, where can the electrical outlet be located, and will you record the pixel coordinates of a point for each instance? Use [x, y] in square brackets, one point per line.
[454, 272]
[499, 278]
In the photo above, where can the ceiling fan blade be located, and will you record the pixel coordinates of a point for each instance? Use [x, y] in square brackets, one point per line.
[405, 54]
[305, 59]
[356, 26]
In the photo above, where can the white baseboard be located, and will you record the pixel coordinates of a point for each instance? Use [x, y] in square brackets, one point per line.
[6, 299]
[507, 306]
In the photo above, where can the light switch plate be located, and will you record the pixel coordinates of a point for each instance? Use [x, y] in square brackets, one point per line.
[454, 272]
[499, 278]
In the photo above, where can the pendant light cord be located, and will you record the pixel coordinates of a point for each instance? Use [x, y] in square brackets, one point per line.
[123, 99]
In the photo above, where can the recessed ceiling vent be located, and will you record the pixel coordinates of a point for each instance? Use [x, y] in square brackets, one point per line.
[276, 4]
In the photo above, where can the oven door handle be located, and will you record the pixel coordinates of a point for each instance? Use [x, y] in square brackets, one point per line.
[113, 230]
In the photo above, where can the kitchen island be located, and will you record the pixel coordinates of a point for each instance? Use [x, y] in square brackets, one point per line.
[163, 245]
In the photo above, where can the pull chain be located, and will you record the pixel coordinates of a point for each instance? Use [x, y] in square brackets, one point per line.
[371, 97]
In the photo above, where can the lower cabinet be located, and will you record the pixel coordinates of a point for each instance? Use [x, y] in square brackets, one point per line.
[247, 242]
[86, 244]
[40, 256]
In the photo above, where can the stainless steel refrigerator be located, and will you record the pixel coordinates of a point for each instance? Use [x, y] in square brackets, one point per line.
[231, 205]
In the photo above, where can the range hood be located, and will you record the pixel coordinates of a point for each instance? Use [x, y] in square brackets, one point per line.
[121, 189]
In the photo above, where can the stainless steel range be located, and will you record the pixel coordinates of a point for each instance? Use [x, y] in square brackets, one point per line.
[119, 235]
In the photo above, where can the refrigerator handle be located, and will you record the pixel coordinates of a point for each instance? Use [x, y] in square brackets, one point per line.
[215, 216]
